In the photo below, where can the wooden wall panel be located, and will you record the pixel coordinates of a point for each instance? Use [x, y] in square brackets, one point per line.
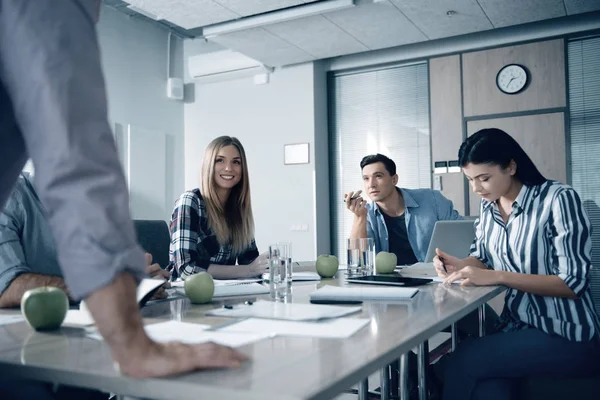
[542, 136]
[546, 63]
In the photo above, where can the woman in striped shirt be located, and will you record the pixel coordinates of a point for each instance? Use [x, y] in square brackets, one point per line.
[534, 237]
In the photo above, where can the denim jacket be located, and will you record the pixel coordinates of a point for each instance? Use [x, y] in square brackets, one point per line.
[424, 207]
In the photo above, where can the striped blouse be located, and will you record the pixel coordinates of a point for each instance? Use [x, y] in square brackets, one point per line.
[548, 233]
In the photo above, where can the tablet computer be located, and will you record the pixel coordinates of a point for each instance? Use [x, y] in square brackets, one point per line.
[393, 280]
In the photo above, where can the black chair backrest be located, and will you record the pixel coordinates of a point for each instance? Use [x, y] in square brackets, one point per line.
[154, 237]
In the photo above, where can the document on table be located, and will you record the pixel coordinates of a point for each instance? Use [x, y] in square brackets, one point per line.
[331, 328]
[221, 282]
[78, 318]
[285, 311]
[195, 333]
[6, 319]
[441, 279]
[299, 276]
[362, 293]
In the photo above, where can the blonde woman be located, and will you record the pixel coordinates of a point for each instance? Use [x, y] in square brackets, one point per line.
[212, 229]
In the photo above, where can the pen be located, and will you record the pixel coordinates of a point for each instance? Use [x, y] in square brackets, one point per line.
[354, 197]
[443, 264]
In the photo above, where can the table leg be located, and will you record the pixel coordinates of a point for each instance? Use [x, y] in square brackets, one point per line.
[481, 320]
[404, 377]
[363, 389]
[454, 333]
[384, 383]
[422, 368]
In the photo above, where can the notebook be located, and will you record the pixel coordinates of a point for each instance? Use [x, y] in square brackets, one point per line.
[299, 276]
[231, 287]
[363, 293]
[284, 311]
[330, 328]
[82, 317]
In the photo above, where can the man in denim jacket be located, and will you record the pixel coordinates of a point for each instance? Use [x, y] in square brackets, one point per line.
[400, 221]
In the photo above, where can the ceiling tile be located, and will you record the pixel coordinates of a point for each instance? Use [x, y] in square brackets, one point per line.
[431, 18]
[581, 6]
[245, 7]
[187, 13]
[377, 25]
[514, 12]
[317, 36]
[263, 46]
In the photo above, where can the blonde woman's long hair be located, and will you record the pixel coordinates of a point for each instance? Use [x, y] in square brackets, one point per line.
[233, 223]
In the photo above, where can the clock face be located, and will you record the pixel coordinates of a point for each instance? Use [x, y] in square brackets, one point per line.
[512, 79]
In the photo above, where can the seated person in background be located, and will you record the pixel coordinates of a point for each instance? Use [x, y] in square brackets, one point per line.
[213, 228]
[534, 237]
[28, 257]
[399, 220]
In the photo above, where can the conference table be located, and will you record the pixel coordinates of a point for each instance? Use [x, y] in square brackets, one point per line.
[288, 367]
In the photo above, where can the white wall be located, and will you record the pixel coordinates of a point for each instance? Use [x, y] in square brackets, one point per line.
[264, 118]
[134, 57]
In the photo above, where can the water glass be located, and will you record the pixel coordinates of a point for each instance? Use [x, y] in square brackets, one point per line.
[289, 253]
[279, 270]
[361, 256]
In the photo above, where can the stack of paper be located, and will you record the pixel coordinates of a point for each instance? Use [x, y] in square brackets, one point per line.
[287, 311]
[231, 287]
[6, 319]
[362, 293]
[331, 328]
[194, 333]
[299, 276]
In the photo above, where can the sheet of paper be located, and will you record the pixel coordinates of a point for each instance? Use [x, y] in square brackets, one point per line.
[78, 318]
[221, 282]
[286, 311]
[299, 276]
[331, 328]
[194, 333]
[6, 319]
[441, 280]
[146, 286]
[357, 292]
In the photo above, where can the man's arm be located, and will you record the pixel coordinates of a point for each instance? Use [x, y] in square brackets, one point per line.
[52, 71]
[11, 297]
[445, 207]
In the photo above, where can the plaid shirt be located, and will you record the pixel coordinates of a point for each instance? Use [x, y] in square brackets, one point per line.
[194, 245]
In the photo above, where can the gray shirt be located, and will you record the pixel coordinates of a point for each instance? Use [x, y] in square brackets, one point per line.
[53, 109]
[26, 243]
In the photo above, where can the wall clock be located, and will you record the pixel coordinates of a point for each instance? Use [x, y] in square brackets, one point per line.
[512, 79]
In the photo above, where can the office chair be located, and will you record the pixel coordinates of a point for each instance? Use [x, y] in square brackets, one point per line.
[154, 237]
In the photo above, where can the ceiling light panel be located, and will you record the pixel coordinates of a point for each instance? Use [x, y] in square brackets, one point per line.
[515, 12]
[246, 7]
[432, 19]
[188, 14]
[391, 28]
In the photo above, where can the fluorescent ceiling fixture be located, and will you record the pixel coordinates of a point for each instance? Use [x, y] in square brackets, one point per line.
[144, 12]
[274, 17]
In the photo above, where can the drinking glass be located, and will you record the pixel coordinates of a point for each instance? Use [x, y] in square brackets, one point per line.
[361, 256]
[279, 270]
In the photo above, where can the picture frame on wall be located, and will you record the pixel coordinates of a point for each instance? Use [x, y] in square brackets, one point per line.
[296, 153]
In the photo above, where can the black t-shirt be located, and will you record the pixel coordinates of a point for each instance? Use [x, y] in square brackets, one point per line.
[398, 239]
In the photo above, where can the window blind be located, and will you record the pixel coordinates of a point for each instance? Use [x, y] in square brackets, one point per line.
[376, 111]
[584, 107]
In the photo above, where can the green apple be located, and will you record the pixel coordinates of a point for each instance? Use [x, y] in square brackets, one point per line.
[327, 265]
[45, 307]
[385, 263]
[199, 288]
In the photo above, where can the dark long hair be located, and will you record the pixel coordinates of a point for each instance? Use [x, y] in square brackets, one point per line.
[494, 146]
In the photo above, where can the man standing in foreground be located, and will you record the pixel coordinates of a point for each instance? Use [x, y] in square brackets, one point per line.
[53, 109]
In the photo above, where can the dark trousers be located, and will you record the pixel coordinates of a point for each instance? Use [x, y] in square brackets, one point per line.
[490, 367]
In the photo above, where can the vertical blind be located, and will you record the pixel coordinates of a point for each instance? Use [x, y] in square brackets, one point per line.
[377, 111]
[584, 106]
